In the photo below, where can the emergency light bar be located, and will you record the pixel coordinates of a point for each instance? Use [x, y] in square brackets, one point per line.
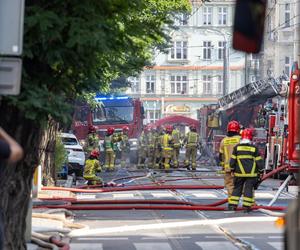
[111, 98]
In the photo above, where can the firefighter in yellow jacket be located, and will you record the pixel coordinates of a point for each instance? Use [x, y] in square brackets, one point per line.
[246, 165]
[191, 141]
[151, 140]
[142, 148]
[125, 146]
[109, 141]
[92, 140]
[176, 147]
[226, 147]
[92, 165]
[167, 147]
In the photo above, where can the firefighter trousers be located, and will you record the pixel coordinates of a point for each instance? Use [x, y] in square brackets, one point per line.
[190, 157]
[167, 156]
[142, 158]
[228, 183]
[157, 157]
[176, 152]
[151, 157]
[110, 159]
[124, 157]
[240, 184]
[93, 179]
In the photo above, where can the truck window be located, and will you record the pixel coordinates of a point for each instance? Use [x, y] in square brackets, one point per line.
[108, 115]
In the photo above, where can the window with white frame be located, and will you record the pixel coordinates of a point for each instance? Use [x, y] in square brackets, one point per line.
[207, 50]
[153, 115]
[219, 85]
[207, 15]
[179, 84]
[287, 65]
[179, 50]
[150, 84]
[222, 15]
[207, 85]
[287, 15]
[134, 84]
[221, 45]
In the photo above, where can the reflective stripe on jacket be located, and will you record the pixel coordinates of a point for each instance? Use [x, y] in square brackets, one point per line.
[176, 138]
[226, 148]
[166, 142]
[245, 161]
[192, 139]
[91, 167]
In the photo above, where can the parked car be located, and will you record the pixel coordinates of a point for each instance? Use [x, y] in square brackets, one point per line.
[76, 156]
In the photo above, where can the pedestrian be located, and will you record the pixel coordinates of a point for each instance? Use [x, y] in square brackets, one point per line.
[191, 141]
[167, 147]
[226, 147]
[10, 151]
[246, 166]
[125, 146]
[176, 147]
[109, 141]
[92, 166]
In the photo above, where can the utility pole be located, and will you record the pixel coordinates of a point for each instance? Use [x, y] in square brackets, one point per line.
[297, 32]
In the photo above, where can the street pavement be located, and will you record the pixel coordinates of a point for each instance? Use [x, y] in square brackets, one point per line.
[176, 229]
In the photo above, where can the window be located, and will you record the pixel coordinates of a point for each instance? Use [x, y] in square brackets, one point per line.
[287, 65]
[206, 50]
[134, 84]
[222, 15]
[207, 85]
[182, 19]
[179, 84]
[287, 15]
[219, 85]
[153, 116]
[150, 84]
[207, 15]
[221, 46]
[179, 50]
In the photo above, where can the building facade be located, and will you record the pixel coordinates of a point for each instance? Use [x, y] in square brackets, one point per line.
[191, 74]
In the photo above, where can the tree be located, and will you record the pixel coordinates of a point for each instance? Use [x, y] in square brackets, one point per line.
[71, 47]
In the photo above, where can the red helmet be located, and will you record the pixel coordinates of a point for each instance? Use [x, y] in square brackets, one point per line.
[169, 128]
[92, 129]
[95, 153]
[233, 126]
[125, 129]
[110, 130]
[247, 134]
[193, 127]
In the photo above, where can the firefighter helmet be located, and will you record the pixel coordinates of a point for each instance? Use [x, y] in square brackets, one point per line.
[247, 134]
[233, 126]
[125, 129]
[169, 128]
[193, 128]
[95, 153]
[92, 129]
[110, 130]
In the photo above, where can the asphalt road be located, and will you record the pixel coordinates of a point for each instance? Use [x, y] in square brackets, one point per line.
[175, 229]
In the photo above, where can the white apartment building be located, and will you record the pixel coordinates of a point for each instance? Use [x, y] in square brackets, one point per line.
[190, 75]
[280, 37]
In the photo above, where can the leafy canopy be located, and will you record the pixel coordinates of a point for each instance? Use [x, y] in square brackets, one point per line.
[72, 47]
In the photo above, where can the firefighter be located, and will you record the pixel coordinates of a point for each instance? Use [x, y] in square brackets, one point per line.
[226, 147]
[124, 145]
[167, 147]
[109, 141]
[191, 141]
[157, 145]
[92, 165]
[142, 148]
[176, 147]
[92, 140]
[247, 166]
[151, 140]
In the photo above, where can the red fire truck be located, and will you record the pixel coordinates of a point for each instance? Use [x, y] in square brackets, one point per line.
[111, 111]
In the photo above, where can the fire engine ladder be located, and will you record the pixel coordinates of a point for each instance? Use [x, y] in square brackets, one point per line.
[268, 87]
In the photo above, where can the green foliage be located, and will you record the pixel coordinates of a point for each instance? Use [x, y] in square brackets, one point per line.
[60, 155]
[73, 47]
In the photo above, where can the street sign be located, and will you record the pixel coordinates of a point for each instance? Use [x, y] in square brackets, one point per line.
[10, 75]
[11, 27]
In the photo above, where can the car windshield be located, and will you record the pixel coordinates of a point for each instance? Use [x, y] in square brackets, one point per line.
[113, 115]
[69, 141]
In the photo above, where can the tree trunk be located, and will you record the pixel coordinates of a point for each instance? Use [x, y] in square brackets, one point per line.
[16, 180]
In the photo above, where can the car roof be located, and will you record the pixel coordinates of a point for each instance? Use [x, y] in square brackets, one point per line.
[68, 135]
